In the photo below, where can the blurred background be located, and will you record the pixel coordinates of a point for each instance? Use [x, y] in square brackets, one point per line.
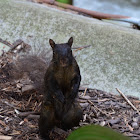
[122, 7]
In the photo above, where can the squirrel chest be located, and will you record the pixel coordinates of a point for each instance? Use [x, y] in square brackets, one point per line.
[64, 77]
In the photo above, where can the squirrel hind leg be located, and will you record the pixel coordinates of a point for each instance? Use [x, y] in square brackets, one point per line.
[72, 117]
[47, 121]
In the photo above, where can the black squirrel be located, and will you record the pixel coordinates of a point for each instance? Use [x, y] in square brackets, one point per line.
[61, 84]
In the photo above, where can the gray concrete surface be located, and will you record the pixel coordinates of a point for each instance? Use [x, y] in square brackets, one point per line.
[112, 61]
[3, 47]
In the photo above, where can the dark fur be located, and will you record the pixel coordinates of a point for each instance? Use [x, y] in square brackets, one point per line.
[61, 82]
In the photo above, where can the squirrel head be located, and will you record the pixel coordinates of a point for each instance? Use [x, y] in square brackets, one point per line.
[62, 53]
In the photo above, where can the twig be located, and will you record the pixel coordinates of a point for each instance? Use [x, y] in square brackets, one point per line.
[75, 48]
[11, 105]
[128, 101]
[25, 114]
[80, 48]
[16, 43]
[103, 100]
[32, 116]
[126, 122]
[2, 137]
[29, 100]
[85, 92]
[6, 43]
[99, 109]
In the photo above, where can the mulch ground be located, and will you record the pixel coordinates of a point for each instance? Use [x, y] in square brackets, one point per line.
[20, 105]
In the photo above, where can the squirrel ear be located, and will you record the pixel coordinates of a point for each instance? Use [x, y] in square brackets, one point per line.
[52, 43]
[70, 41]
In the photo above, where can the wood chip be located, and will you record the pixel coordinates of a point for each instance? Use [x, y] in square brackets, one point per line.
[2, 137]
